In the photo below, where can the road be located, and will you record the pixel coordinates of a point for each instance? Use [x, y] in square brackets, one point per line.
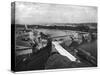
[63, 52]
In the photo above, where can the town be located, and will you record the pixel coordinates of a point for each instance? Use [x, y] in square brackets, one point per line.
[71, 44]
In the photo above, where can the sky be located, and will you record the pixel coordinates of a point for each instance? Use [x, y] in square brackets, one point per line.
[38, 13]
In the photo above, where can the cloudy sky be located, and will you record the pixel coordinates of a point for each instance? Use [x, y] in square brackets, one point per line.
[36, 13]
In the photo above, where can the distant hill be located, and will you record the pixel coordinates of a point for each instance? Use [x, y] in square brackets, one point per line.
[63, 24]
